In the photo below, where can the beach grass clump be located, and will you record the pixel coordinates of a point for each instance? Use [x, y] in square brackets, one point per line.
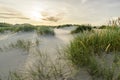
[82, 28]
[41, 29]
[5, 25]
[4, 29]
[17, 28]
[101, 71]
[25, 45]
[98, 42]
[23, 28]
[1, 30]
[103, 27]
[45, 31]
[65, 25]
[43, 68]
[108, 27]
[87, 48]
[22, 44]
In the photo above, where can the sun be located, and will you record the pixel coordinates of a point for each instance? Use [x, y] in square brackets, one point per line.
[35, 16]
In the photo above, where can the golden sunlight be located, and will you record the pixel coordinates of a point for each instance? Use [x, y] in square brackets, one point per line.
[35, 16]
[35, 13]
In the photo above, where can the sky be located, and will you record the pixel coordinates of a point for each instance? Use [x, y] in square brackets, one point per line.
[55, 12]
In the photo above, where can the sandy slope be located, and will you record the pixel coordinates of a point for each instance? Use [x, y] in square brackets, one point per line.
[12, 59]
[12, 38]
[51, 44]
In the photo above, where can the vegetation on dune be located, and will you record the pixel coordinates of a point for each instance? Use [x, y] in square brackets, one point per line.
[115, 23]
[41, 30]
[25, 45]
[82, 28]
[43, 67]
[103, 27]
[108, 27]
[23, 28]
[66, 25]
[17, 28]
[45, 31]
[5, 25]
[87, 49]
[3, 29]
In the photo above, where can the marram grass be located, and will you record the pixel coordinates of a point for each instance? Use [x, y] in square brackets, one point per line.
[87, 49]
[45, 31]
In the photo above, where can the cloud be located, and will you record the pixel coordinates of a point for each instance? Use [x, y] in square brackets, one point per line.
[10, 13]
[55, 17]
[10, 17]
[52, 18]
[5, 13]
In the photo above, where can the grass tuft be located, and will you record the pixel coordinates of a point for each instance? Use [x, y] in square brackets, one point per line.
[87, 49]
[45, 31]
[82, 28]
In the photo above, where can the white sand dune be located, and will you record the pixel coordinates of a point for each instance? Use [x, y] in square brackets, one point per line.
[13, 59]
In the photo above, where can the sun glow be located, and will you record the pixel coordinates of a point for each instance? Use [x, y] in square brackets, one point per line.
[35, 12]
[35, 16]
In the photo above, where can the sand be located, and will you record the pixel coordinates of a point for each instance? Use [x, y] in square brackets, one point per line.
[13, 59]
